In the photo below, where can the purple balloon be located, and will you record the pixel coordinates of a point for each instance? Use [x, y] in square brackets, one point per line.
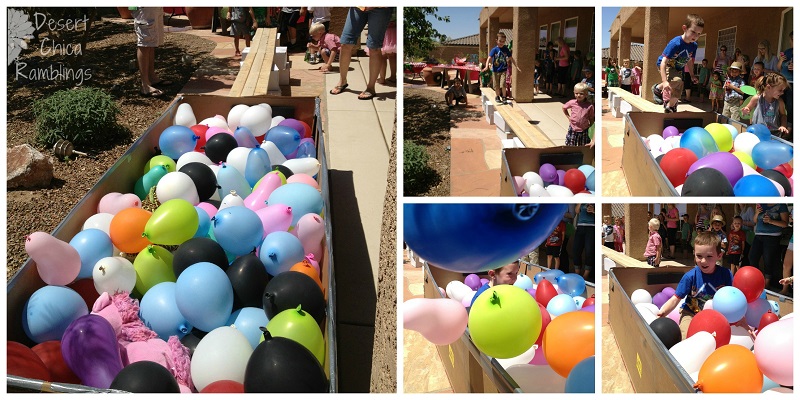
[669, 291]
[484, 281]
[589, 308]
[669, 131]
[531, 292]
[294, 124]
[473, 281]
[659, 299]
[561, 174]
[548, 173]
[90, 349]
[724, 162]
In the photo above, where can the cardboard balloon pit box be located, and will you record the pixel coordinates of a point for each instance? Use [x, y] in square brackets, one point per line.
[517, 162]
[124, 173]
[650, 365]
[467, 368]
[644, 175]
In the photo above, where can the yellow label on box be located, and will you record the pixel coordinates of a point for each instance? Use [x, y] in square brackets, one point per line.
[452, 356]
[639, 365]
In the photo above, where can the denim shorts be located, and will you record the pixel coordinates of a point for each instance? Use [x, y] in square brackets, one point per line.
[378, 19]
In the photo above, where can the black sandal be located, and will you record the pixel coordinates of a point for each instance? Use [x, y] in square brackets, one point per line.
[339, 89]
[366, 95]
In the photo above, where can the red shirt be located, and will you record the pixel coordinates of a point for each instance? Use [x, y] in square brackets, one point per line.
[736, 241]
[556, 238]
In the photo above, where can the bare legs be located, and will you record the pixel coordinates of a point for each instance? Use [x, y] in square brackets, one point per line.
[145, 56]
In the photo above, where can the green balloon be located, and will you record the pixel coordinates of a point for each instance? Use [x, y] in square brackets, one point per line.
[504, 321]
[153, 265]
[301, 327]
[148, 180]
[172, 223]
[160, 160]
[591, 132]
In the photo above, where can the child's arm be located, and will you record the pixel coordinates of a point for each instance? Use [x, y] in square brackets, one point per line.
[327, 65]
[782, 111]
[691, 70]
[785, 281]
[668, 306]
[658, 255]
[253, 17]
[662, 69]
[750, 104]
[488, 63]
[514, 63]
[228, 16]
[565, 109]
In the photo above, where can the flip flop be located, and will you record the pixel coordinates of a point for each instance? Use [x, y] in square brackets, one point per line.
[366, 95]
[155, 93]
[163, 82]
[339, 89]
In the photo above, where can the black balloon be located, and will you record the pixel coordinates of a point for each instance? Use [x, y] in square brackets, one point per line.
[145, 377]
[203, 177]
[219, 145]
[195, 250]
[281, 365]
[290, 289]
[283, 169]
[707, 182]
[780, 178]
[667, 331]
[658, 159]
[248, 278]
[192, 339]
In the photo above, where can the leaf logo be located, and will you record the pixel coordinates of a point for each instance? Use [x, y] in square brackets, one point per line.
[19, 28]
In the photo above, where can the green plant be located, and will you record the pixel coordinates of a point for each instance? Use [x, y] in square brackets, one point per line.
[417, 175]
[419, 35]
[82, 116]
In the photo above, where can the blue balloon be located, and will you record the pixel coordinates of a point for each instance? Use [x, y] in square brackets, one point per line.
[304, 199]
[306, 149]
[579, 300]
[776, 308]
[49, 311]
[204, 296]
[177, 140]
[159, 311]
[731, 303]
[761, 131]
[237, 229]
[258, 165]
[523, 282]
[204, 223]
[755, 185]
[478, 292]
[92, 245]
[280, 251]
[699, 141]
[770, 154]
[248, 321]
[561, 304]
[477, 237]
[551, 275]
[245, 138]
[286, 139]
[763, 294]
[590, 182]
[768, 384]
[581, 377]
[571, 284]
[229, 178]
[586, 169]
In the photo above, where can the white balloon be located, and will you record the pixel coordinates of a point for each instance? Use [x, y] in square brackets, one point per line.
[456, 290]
[745, 142]
[177, 185]
[184, 115]
[235, 115]
[536, 190]
[276, 120]
[693, 351]
[191, 157]
[308, 166]
[222, 354]
[231, 200]
[531, 178]
[113, 274]
[582, 194]
[559, 191]
[646, 313]
[523, 358]
[100, 221]
[787, 316]
[537, 378]
[741, 337]
[641, 296]
[655, 141]
[267, 106]
[257, 120]
[709, 305]
[275, 155]
[733, 130]
[237, 158]
[216, 122]
[679, 189]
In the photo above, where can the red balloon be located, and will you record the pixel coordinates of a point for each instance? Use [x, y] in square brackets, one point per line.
[545, 322]
[200, 130]
[786, 169]
[224, 386]
[22, 361]
[545, 290]
[588, 302]
[85, 288]
[750, 281]
[575, 180]
[307, 133]
[766, 319]
[713, 322]
[676, 163]
[50, 353]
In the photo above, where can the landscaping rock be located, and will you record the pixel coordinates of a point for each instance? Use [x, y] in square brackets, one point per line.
[28, 168]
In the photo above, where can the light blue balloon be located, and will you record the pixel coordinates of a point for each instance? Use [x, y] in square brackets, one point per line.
[770, 154]
[581, 377]
[286, 139]
[586, 169]
[204, 222]
[245, 138]
[579, 300]
[755, 310]
[229, 178]
[730, 302]
[280, 251]
[763, 294]
[257, 165]
[571, 284]
[768, 384]
[304, 199]
[551, 275]
[755, 185]
[237, 229]
[523, 282]
[92, 245]
[776, 308]
[561, 304]
[306, 149]
[699, 141]
[248, 321]
[159, 311]
[177, 140]
[761, 131]
[204, 296]
[590, 182]
[49, 311]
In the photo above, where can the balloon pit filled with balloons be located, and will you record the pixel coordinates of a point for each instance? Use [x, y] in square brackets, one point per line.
[221, 237]
[549, 181]
[718, 353]
[540, 330]
[718, 160]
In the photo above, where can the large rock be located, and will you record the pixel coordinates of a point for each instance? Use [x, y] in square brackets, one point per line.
[28, 168]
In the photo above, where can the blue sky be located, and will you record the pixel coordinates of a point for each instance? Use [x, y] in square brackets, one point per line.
[463, 21]
[608, 15]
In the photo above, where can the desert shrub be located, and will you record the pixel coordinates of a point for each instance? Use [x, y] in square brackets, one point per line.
[81, 116]
[417, 175]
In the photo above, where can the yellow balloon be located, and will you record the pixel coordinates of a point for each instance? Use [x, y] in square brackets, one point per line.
[745, 158]
[153, 265]
[722, 136]
[504, 321]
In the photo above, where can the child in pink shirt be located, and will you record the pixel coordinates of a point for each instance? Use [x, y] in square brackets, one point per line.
[580, 112]
[327, 45]
[653, 249]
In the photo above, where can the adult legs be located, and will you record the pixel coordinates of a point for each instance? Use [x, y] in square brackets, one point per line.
[787, 269]
[771, 258]
[756, 251]
[588, 264]
[145, 56]
[344, 63]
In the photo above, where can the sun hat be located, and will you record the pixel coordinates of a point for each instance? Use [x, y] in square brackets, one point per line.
[718, 218]
[736, 65]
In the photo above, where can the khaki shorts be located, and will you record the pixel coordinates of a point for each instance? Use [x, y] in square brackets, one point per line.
[499, 82]
[675, 79]
[686, 320]
[149, 26]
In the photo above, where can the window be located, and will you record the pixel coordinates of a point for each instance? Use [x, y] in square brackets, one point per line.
[701, 52]
[787, 19]
[555, 31]
[542, 37]
[571, 32]
[726, 37]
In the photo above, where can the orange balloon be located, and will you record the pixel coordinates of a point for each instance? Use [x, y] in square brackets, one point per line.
[307, 133]
[308, 269]
[730, 369]
[568, 340]
[127, 227]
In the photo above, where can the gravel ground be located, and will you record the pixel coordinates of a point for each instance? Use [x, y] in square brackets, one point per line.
[426, 121]
[109, 53]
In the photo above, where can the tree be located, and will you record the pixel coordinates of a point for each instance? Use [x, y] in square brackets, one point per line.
[419, 35]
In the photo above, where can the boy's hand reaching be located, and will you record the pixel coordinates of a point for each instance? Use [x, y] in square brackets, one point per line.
[746, 110]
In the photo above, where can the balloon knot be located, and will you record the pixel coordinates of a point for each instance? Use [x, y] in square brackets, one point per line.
[300, 310]
[288, 210]
[102, 269]
[272, 255]
[183, 329]
[195, 137]
[495, 299]
[214, 220]
[151, 249]
[233, 192]
[144, 235]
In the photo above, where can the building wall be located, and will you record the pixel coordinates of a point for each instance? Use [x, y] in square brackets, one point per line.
[548, 15]
[445, 54]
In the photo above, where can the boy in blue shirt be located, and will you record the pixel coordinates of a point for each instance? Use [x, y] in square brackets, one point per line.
[679, 53]
[499, 60]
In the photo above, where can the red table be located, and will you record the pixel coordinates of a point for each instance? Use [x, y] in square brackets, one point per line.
[468, 72]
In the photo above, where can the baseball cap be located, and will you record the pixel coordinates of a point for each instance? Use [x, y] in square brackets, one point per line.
[588, 68]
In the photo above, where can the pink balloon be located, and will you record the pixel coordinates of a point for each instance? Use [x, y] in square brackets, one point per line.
[313, 261]
[538, 357]
[215, 130]
[303, 178]
[58, 263]
[208, 208]
[258, 198]
[520, 184]
[774, 347]
[675, 315]
[277, 217]
[114, 202]
[466, 301]
[310, 229]
[441, 321]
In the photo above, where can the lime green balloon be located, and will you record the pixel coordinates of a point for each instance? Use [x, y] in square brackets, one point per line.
[591, 132]
[160, 160]
[504, 321]
[153, 265]
[750, 114]
[283, 179]
[148, 180]
[722, 136]
[745, 158]
[301, 327]
[172, 223]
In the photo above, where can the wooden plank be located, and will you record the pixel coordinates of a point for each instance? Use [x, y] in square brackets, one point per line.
[530, 135]
[636, 101]
[244, 71]
[262, 85]
[252, 76]
[623, 260]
